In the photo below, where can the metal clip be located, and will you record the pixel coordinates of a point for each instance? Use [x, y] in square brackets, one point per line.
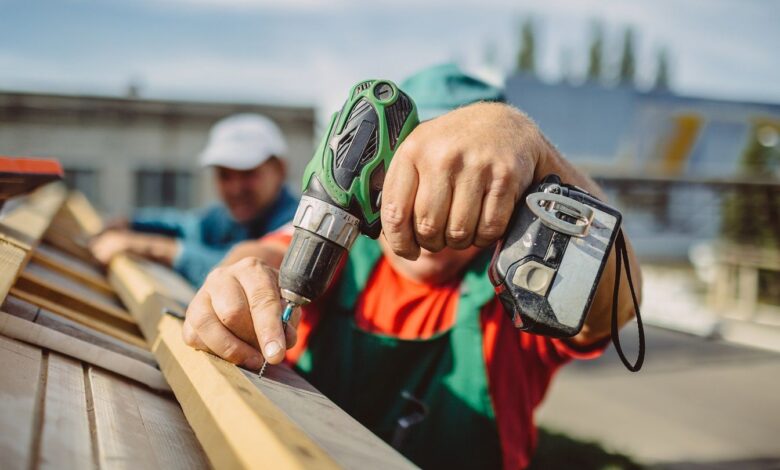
[546, 206]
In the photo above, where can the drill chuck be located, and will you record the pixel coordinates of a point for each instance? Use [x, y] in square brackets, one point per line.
[323, 235]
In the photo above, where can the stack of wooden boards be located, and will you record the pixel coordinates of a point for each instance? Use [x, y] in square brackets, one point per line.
[95, 375]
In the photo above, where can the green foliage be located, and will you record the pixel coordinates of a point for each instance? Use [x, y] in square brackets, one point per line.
[526, 58]
[627, 60]
[596, 53]
[662, 71]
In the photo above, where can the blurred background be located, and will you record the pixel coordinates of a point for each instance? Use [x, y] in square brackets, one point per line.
[672, 105]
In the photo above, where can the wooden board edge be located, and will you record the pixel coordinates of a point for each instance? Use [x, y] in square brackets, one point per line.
[23, 228]
[47, 338]
[237, 425]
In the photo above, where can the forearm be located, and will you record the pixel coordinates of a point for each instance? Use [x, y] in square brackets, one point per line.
[598, 322]
[156, 247]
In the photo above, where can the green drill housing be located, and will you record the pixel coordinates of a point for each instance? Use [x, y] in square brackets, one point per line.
[349, 166]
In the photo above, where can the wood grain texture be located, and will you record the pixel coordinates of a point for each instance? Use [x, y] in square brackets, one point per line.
[137, 429]
[352, 444]
[19, 402]
[79, 317]
[65, 440]
[43, 337]
[38, 280]
[30, 312]
[36, 212]
[241, 422]
[53, 258]
[12, 259]
[22, 228]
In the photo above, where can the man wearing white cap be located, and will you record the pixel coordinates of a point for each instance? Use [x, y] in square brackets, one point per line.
[246, 152]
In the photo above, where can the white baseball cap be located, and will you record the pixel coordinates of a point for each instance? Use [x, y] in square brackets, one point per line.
[243, 142]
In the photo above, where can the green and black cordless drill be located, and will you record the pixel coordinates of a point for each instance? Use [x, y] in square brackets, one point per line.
[342, 187]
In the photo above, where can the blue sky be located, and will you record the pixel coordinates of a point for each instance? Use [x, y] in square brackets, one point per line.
[309, 51]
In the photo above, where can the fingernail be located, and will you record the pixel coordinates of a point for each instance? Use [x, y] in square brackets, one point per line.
[272, 349]
[254, 362]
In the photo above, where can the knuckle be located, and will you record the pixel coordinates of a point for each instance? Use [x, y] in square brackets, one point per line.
[487, 234]
[262, 298]
[233, 316]
[392, 216]
[215, 274]
[502, 181]
[248, 262]
[232, 353]
[426, 229]
[189, 337]
[458, 237]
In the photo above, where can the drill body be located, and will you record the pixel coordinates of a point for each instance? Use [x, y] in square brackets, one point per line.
[342, 186]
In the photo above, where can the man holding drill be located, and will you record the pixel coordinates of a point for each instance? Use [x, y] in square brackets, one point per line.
[412, 321]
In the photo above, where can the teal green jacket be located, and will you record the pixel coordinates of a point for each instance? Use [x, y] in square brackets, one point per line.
[206, 235]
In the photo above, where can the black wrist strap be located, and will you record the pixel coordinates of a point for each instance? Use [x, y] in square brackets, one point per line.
[621, 254]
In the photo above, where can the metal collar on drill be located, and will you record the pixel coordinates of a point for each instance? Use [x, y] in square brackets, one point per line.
[327, 220]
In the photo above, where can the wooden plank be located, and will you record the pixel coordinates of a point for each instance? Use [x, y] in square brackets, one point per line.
[19, 402]
[30, 312]
[64, 263]
[175, 444]
[131, 436]
[241, 422]
[12, 258]
[33, 216]
[64, 290]
[83, 214]
[22, 228]
[73, 226]
[81, 318]
[41, 336]
[350, 443]
[65, 437]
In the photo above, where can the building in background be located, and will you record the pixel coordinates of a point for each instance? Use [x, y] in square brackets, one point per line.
[129, 152]
[670, 162]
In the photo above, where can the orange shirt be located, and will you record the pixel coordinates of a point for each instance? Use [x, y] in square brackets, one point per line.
[519, 365]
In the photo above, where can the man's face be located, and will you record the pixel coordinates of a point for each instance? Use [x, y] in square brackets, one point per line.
[247, 193]
[431, 268]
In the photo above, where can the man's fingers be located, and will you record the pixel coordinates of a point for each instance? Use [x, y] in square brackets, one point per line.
[431, 208]
[232, 307]
[497, 207]
[191, 338]
[464, 214]
[217, 338]
[261, 288]
[398, 195]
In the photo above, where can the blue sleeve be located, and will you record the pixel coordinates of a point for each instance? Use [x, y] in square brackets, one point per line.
[195, 260]
[206, 239]
[163, 221]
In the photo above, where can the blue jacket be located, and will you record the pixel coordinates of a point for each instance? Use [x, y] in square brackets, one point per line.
[206, 235]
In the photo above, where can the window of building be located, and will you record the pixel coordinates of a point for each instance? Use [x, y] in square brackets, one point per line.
[163, 188]
[84, 180]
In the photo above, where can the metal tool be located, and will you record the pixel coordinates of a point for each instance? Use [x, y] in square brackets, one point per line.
[546, 267]
[342, 186]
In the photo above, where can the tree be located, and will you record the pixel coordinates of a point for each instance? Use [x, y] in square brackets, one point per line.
[627, 61]
[526, 58]
[662, 71]
[596, 53]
